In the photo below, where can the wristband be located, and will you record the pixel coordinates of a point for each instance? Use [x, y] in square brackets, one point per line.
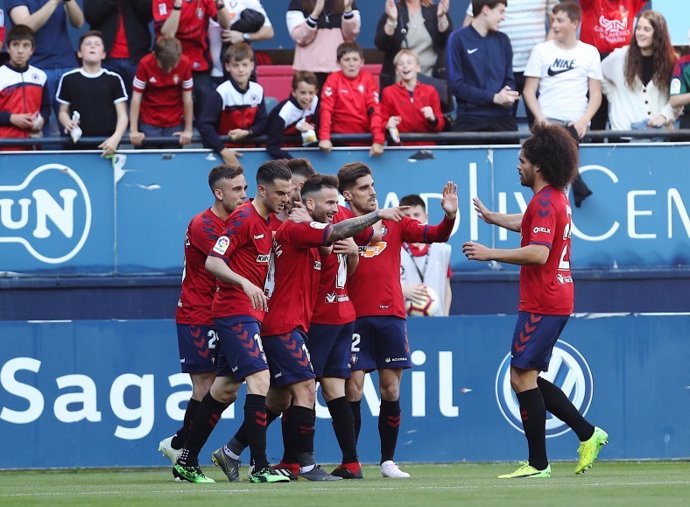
[220, 5]
[177, 8]
[246, 37]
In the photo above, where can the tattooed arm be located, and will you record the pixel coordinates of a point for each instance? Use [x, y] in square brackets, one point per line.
[351, 226]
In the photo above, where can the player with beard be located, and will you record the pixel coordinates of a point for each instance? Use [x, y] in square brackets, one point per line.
[548, 162]
[380, 337]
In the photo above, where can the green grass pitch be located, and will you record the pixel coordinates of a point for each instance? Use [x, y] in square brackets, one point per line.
[609, 484]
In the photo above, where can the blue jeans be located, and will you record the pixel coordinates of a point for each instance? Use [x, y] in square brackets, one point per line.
[154, 131]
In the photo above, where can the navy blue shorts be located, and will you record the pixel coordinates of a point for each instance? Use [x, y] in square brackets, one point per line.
[197, 346]
[329, 349]
[241, 353]
[534, 338]
[288, 358]
[380, 342]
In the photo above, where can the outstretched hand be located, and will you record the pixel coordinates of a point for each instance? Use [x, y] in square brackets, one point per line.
[449, 201]
[482, 211]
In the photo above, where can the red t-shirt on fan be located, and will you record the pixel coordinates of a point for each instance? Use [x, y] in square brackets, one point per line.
[161, 101]
[608, 24]
[192, 31]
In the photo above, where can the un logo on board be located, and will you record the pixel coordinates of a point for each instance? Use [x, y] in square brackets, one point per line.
[567, 370]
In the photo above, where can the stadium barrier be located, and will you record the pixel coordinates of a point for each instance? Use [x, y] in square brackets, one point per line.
[103, 393]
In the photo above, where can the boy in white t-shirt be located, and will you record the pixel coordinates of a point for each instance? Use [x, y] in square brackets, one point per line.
[566, 73]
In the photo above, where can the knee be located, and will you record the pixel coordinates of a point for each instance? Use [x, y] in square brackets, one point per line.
[278, 400]
[390, 391]
[224, 390]
[353, 390]
[304, 394]
[258, 383]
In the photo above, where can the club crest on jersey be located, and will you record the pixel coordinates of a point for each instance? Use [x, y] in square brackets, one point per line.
[221, 245]
[317, 225]
[317, 265]
[200, 13]
[262, 258]
[370, 251]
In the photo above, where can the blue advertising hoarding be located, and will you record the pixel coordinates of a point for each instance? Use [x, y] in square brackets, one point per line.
[86, 215]
[103, 393]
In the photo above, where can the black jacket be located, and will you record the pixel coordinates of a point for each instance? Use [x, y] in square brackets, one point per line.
[103, 15]
[390, 45]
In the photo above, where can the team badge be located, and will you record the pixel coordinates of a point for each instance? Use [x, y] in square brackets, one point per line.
[328, 91]
[221, 245]
[675, 86]
[200, 13]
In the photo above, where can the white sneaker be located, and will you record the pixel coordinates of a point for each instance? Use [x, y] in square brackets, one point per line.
[390, 469]
[166, 448]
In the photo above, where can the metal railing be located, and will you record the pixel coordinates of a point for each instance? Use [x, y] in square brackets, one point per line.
[443, 138]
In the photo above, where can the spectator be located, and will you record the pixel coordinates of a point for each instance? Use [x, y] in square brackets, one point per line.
[480, 71]
[188, 22]
[425, 265]
[24, 101]
[350, 101]
[637, 77]
[296, 115]
[54, 52]
[125, 27]
[98, 95]
[680, 90]
[236, 108]
[419, 25]
[318, 27]
[565, 74]
[607, 25]
[250, 23]
[408, 105]
[162, 95]
[2, 28]
[525, 25]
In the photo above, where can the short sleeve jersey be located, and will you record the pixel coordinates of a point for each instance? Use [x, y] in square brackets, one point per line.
[297, 273]
[245, 246]
[680, 84]
[161, 101]
[198, 285]
[375, 286]
[547, 289]
[192, 31]
[333, 304]
[608, 24]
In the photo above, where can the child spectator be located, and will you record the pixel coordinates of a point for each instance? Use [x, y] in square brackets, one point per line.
[98, 95]
[350, 101]
[409, 105]
[637, 77]
[680, 91]
[237, 108]
[295, 115]
[54, 53]
[24, 101]
[162, 97]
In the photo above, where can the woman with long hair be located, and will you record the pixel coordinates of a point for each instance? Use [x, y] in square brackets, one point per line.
[637, 77]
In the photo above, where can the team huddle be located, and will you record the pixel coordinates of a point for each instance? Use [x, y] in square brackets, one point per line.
[273, 292]
[277, 293]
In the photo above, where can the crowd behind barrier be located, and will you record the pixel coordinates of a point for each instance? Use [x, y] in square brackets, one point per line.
[399, 26]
